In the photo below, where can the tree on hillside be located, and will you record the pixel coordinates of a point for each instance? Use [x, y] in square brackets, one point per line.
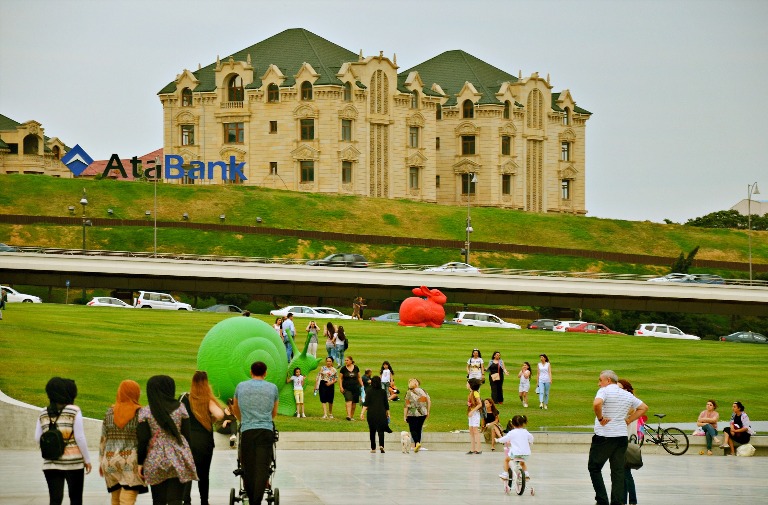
[729, 219]
[682, 264]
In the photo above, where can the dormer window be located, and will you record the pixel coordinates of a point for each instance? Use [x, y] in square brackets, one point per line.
[567, 117]
[235, 91]
[273, 93]
[468, 109]
[306, 90]
[507, 108]
[186, 97]
[347, 92]
[414, 99]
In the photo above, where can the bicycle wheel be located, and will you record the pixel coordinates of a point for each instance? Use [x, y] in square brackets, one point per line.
[674, 441]
[519, 480]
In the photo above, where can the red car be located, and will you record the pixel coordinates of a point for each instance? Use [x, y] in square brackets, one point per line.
[593, 328]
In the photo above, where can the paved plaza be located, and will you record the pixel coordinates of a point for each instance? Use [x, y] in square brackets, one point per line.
[434, 477]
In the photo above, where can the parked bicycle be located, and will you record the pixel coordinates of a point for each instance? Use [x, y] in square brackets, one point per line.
[673, 440]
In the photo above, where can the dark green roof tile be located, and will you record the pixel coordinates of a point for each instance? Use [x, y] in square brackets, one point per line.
[7, 123]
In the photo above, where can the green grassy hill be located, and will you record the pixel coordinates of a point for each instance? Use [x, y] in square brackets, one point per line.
[35, 195]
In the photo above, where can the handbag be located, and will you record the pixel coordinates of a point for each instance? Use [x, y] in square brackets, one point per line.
[633, 458]
[495, 376]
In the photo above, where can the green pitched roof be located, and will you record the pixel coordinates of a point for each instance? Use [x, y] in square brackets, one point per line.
[452, 69]
[576, 108]
[287, 50]
[7, 123]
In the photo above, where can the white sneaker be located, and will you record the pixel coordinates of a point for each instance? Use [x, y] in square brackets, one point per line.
[541, 405]
[525, 405]
[504, 475]
[298, 415]
[325, 416]
[545, 406]
[303, 415]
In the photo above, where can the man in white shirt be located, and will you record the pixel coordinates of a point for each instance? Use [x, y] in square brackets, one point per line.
[609, 443]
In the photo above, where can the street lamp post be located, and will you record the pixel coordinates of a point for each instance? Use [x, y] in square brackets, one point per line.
[471, 179]
[157, 173]
[751, 190]
[84, 203]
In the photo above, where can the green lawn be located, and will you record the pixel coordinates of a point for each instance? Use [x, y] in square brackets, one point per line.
[99, 347]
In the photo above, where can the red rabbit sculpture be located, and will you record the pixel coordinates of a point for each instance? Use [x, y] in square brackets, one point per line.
[416, 311]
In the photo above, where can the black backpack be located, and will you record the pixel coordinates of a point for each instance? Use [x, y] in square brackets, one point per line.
[52, 441]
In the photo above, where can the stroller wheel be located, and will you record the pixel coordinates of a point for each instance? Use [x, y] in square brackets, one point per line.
[276, 496]
[232, 496]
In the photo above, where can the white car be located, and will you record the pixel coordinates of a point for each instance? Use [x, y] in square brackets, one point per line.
[299, 311]
[331, 312]
[483, 319]
[16, 297]
[455, 267]
[164, 301]
[562, 326]
[674, 278]
[662, 331]
[108, 301]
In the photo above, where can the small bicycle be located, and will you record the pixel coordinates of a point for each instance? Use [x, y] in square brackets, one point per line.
[673, 440]
[516, 479]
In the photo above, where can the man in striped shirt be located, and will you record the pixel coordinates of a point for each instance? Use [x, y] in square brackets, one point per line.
[609, 443]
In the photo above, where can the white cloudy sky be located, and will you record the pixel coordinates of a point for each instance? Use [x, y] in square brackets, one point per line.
[676, 86]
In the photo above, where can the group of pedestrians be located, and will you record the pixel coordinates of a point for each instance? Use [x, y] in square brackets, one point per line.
[497, 371]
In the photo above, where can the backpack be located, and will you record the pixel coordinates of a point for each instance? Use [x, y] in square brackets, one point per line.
[52, 441]
[346, 344]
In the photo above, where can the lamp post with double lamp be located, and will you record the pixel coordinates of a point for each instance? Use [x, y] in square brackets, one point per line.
[751, 190]
[84, 203]
[471, 179]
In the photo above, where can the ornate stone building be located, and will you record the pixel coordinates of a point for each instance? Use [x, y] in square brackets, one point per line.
[24, 149]
[305, 114]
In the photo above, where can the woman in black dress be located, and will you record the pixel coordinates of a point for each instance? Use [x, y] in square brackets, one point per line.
[378, 412]
[496, 373]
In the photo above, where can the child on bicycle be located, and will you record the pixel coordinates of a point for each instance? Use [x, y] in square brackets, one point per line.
[518, 442]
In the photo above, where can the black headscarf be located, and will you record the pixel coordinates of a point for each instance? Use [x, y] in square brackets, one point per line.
[161, 396]
[61, 392]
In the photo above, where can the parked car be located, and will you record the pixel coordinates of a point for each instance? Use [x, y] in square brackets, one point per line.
[676, 277]
[593, 328]
[223, 308]
[543, 324]
[108, 301]
[562, 325]
[16, 297]
[331, 312]
[662, 331]
[483, 319]
[707, 279]
[7, 248]
[391, 317]
[340, 260]
[309, 312]
[745, 337]
[455, 267]
[164, 301]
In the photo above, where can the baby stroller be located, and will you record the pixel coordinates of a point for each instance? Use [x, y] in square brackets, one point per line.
[271, 494]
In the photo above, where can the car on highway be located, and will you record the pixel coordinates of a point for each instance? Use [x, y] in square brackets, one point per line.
[707, 279]
[108, 301]
[163, 301]
[483, 319]
[593, 328]
[16, 297]
[7, 248]
[391, 317]
[331, 312]
[340, 260]
[563, 325]
[455, 267]
[234, 309]
[543, 324]
[674, 277]
[745, 337]
[662, 331]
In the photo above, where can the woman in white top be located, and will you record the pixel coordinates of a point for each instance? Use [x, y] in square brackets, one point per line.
[312, 335]
[475, 367]
[544, 380]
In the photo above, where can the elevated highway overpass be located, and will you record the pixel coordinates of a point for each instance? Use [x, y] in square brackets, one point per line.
[102, 269]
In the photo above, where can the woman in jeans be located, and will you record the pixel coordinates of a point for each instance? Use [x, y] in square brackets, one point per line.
[544, 381]
[708, 421]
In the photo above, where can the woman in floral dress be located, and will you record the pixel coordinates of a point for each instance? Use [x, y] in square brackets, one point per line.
[326, 378]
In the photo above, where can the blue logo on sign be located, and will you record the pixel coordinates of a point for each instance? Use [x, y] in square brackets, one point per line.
[77, 160]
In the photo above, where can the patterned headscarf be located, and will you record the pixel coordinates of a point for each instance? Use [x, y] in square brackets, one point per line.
[127, 402]
[161, 396]
[61, 392]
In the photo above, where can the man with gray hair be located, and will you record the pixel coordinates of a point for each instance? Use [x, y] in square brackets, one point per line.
[609, 443]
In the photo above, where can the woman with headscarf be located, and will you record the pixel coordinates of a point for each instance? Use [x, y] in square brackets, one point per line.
[205, 411]
[165, 459]
[377, 406]
[118, 449]
[68, 418]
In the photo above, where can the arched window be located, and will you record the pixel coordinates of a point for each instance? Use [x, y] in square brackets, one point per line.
[30, 144]
[186, 97]
[414, 99]
[567, 117]
[56, 152]
[534, 109]
[439, 112]
[273, 93]
[235, 89]
[468, 109]
[306, 90]
[347, 92]
[507, 107]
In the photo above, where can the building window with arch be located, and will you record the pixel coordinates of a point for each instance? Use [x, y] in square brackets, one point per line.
[187, 135]
[273, 93]
[567, 117]
[439, 112]
[467, 144]
[56, 152]
[413, 136]
[468, 109]
[186, 97]
[506, 145]
[306, 90]
[565, 189]
[346, 172]
[413, 177]
[307, 127]
[235, 91]
[414, 99]
[565, 151]
[307, 170]
[31, 144]
[346, 130]
[347, 91]
[507, 108]
[467, 186]
[506, 184]
[234, 133]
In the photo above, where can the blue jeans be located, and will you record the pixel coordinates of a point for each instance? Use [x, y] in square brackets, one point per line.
[331, 351]
[710, 433]
[613, 450]
[544, 392]
[340, 354]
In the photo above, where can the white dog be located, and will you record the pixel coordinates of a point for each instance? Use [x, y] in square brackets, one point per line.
[405, 441]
